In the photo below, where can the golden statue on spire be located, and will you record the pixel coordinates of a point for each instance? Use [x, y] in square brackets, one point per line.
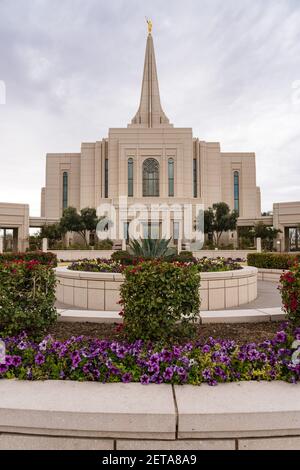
[150, 25]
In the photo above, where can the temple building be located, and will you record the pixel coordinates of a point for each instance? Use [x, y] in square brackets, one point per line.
[150, 161]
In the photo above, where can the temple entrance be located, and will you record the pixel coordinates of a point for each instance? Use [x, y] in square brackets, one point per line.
[293, 238]
[10, 239]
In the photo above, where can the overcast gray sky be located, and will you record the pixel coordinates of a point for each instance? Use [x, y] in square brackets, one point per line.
[73, 68]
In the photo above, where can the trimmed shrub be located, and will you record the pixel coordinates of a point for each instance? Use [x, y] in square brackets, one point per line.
[27, 296]
[290, 293]
[272, 260]
[104, 244]
[123, 257]
[183, 256]
[156, 296]
[43, 258]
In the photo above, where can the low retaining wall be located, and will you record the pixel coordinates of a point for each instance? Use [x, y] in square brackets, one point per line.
[272, 275]
[74, 255]
[245, 416]
[100, 291]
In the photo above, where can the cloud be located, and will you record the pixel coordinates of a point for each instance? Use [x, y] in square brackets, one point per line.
[73, 69]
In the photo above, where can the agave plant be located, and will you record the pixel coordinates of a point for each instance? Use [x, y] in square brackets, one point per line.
[151, 248]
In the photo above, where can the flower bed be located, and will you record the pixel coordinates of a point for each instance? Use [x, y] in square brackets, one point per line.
[103, 361]
[43, 258]
[96, 266]
[203, 265]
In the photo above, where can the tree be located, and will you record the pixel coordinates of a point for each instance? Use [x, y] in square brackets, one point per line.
[52, 232]
[246, 237]
[267, 235]
[81, 223]
[219, 219]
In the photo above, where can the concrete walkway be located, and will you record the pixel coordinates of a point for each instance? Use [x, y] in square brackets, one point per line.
[268, 296]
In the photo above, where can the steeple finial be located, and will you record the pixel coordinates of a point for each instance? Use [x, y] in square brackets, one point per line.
[150, 113]
[150, 25]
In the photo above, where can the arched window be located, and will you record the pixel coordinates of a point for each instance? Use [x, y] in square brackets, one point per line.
[65, 189]
[171, 176]
[236, 184]
[130, 177]
[150, 178]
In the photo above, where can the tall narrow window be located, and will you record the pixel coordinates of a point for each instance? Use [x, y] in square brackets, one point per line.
[171, 176]
[236, 183]
[150, 178]
[126, 231]
[195, 189]
[130, 177]
[65, 189]
[176, 228]
[106, 179]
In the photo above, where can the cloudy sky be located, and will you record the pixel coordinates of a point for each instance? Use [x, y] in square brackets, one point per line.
[72, 68]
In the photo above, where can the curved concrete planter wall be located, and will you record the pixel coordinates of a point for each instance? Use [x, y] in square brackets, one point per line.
[100, 291]
[272, 275]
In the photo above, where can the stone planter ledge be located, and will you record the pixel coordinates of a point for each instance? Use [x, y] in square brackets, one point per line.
[245, 415]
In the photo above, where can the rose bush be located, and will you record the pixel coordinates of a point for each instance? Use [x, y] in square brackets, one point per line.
[27, 296]
[48, 259]
[290, 293]
[156, 296]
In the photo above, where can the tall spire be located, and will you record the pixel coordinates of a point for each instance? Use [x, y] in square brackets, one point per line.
[150, 113]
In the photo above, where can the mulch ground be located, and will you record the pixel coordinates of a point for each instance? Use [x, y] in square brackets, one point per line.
[240, 332]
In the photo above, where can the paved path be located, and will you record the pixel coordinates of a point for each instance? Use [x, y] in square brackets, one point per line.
[268, 297]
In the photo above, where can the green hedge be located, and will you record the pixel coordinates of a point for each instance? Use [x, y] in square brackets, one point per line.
[43, 258]
[27, 297]
[272, 260]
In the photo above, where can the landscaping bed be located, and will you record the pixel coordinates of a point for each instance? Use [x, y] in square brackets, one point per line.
[207, 360]
[160, 340]
[239, 332]
[119, 262]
